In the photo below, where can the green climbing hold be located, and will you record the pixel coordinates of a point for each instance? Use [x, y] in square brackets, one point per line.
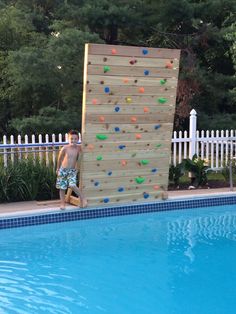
[162, 100]
[163, 81]
[134, 154]
[158, 145]
[106, 68]
[139, 180]
[99, 157]
[101, 137]
[144, 162]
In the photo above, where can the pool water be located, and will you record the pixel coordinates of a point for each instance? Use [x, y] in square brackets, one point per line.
[162, 263]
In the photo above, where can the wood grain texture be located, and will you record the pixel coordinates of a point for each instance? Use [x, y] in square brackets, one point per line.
[128, 110]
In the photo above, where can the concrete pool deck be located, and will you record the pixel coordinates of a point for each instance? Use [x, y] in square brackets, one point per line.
[34, 207]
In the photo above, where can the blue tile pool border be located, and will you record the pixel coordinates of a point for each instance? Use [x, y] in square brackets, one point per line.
[78, 214]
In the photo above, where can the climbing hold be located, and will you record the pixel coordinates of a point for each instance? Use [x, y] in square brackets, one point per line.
[141, 90]
[120, 189]
[154, 170]
[162, 100]
[101, 137]
[169, 65]
[94, 101]
[146, 195]
[145, 109]
[113, 51]
[121, 146]
[117, 109]
[128, 100]
[134, 154]
[133, 119]
[90, 146]
[107, 89]
[99, 157]
[96, 183]
[139, 180]
[106, 200]
[101, 119]
[123, 162]
[158, 145]
[126, 80]
[146, 72]
[156, 187]
[163, 81]
[106, 69]
[144, 162]
[117, 129]
[109, 173]
[157, 126]
[145, 51]
[133, 61]
[138, 136]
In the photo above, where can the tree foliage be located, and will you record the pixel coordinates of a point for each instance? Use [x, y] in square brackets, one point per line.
[42, 48]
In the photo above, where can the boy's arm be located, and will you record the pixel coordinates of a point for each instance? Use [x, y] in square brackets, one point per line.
[60, 157]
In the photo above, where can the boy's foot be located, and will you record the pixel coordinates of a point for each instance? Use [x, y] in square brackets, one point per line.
[84, 203]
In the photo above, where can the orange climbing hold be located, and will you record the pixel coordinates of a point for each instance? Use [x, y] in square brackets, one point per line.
[138, 136]
[125, 80]
[156, 187]
[169, 65]
[141, 90]
[145, 109]
[90, 146]
[101, 119]
[113, 51]
[94, 101]
[133, 119]
[123, 162]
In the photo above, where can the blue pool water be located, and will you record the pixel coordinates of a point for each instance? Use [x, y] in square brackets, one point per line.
[162, 263]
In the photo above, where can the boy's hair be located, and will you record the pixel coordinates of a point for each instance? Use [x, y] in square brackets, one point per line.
[73, 132]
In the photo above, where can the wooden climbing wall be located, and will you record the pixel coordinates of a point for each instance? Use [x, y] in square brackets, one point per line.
[128, 111]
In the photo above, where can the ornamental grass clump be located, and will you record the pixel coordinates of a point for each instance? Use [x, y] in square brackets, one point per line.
[25, 180]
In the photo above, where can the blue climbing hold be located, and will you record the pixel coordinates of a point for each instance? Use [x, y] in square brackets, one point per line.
[117, 129]
[96, 183]
[107, 89]
[117, 109]
[121, 189]
[157, 126]
[145, 51]
[106, 200]
[146, 195]
[122, 146]
[146, 72]
[109, 173]
[154, 170]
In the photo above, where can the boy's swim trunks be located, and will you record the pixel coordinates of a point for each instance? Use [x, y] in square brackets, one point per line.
[66, 178]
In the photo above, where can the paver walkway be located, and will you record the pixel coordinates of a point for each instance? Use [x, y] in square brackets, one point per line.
[32, 207]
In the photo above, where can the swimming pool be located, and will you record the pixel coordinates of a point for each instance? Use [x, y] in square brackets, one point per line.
[156, 263]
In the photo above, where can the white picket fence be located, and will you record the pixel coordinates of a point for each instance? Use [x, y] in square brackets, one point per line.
[217, 147]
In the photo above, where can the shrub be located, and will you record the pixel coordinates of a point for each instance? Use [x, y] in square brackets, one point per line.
[26, 180]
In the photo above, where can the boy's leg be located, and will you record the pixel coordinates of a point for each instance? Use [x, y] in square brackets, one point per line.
[62, 198]
[80, 194]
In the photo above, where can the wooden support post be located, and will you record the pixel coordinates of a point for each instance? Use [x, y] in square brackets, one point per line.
[74, 200]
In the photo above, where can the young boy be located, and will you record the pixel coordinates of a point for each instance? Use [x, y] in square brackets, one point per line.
[66, 168]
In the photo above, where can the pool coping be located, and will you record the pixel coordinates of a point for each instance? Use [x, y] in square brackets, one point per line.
[55, 215]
